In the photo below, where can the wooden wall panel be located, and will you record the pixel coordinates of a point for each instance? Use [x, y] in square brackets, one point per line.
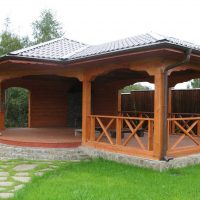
[183, 101]
[138, 101]
[186, 101]
[48, 100]
[104, 100]
[48, 107]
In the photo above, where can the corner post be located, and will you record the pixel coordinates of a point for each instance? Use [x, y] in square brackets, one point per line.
[119, 103]
[86, 110]
[170, 110]
[159, 116]
[170, 100]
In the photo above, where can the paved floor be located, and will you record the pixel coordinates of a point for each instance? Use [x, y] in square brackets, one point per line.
[14, 174]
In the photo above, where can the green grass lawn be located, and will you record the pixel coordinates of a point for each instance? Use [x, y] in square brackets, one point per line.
[106, 180]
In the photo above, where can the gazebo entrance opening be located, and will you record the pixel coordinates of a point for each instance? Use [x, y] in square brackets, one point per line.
[109, 127]
[184, 113]
[48, 112]
[183, 117]
[16, 107]
[140, 134]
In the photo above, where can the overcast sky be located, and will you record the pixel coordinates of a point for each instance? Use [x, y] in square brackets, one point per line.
[99, 21]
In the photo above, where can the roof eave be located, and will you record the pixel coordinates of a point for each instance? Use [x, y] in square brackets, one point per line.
[23, 58]
[162, 44]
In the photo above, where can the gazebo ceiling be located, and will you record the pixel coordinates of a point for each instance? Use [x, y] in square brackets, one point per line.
[123, 74]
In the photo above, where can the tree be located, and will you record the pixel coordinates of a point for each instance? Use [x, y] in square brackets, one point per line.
[16, 99]
[195, 83]
[46, 27]
[137, 86]
[10, 41]
[16, 107]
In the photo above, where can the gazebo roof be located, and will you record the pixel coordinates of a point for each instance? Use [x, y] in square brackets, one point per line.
[63, 49]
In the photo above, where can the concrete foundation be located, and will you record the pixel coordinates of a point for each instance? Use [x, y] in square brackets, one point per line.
[143, 162]
[86, 153]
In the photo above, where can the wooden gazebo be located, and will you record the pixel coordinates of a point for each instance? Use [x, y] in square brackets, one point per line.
[50, 71]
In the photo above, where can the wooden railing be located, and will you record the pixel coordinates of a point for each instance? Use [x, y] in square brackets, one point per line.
[185, 118]
[121, 131]
[183, 132]
[134, 135]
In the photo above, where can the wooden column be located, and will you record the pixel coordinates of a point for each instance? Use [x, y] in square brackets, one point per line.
[118, 131]
[2, 115]
[86, 110]
[119, 103]
[158, 115]
[169, 109]
[170, 100]
[150, 135]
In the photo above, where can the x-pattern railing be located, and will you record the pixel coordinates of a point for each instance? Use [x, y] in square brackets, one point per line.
[103, 126]
[104, 130]
[189, 127]
[133, 133]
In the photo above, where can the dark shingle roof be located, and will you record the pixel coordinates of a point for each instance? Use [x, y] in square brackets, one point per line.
[146, 40]
[54, 49]
[65, 49]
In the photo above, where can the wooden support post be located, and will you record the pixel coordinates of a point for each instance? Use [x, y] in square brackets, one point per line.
[86, 110]
[169, 129]
[170, 101]
[150, 135]
[29, 110]
[173, 130]
[119, 103]
[118, 131]
[170, 110]
[92, 129]
[158, 115]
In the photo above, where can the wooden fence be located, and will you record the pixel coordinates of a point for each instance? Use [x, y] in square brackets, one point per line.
[183, 101]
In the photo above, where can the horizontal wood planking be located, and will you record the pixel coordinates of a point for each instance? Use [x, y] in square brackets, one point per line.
[104, 100]
[48, 99]
[183, 101]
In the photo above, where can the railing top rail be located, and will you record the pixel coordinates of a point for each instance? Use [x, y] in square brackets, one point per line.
[132, 111]
[183, 118]
[197, 114]
[172, 113]
[122, 117]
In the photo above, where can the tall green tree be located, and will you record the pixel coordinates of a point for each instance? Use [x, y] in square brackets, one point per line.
[10, 41]
[46, 27]
[16, 107]
[16, 99]
[195, 83]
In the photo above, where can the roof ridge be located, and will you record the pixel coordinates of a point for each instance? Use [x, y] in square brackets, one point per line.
[157, 36]
[154, 35]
